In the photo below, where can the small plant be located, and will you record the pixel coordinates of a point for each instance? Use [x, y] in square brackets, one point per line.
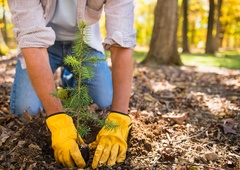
[76, 99]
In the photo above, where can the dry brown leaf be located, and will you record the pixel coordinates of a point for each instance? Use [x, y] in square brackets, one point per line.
[32, 146]
[178, 119]
[229, 125]
[211, 156]
[5, 134]
[26, 118]
[228, 129]
[148, 97]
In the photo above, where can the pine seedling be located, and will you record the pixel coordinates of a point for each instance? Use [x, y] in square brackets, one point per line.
[77, 100]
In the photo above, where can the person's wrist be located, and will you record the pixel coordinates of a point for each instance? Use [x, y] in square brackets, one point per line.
[121, 113]
[119, 117]
[54, 114]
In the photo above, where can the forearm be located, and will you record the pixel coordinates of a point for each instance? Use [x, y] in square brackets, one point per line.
[41, 77]
[122, 68]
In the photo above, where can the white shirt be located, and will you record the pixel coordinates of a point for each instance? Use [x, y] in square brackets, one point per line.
[64, 22]
[30, 17]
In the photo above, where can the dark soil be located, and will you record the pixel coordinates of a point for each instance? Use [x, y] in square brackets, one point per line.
[184, 118]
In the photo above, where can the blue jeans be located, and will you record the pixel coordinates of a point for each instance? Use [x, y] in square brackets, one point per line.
[23, 97]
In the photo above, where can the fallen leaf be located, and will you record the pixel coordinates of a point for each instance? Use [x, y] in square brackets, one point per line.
[21, 143]
[211, 156]
[93, 107]
[26, 118]
[178, 119]
[144, 113]
[228, 129]
[34, 147]
[3, 139]
[148, 97]
[234, 98]
[5, 134]
[228, 125]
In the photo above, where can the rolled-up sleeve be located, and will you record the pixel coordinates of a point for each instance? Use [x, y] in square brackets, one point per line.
[29, 24]
[120, 24]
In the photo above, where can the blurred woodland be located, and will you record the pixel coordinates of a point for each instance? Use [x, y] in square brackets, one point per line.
[168, 28]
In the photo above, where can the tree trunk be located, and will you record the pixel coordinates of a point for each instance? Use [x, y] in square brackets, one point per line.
[218, 36]
[163, 45]
[210, 40]
[185, 46]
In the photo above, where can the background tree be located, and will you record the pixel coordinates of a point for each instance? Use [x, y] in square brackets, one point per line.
[163, 45]
[218, 37]
[210, 40]
[185, 47]
[226, 31]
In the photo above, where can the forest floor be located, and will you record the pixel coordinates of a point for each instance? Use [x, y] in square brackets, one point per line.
[184, 118]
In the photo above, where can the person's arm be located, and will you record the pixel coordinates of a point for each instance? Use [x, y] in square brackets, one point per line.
[119, 24]
[41, 76]
[33, 38]
[111, 145]
[29, 24]
[122, 68]
[120, 40]
[65, 137]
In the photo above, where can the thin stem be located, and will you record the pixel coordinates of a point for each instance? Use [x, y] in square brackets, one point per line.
[81, 40]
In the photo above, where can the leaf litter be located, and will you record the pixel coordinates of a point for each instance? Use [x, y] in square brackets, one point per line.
[184, 118]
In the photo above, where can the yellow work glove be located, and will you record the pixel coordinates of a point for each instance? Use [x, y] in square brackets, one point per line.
[112, 144]
[64, 141]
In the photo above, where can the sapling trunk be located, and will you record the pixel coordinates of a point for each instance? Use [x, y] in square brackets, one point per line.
[80, 71]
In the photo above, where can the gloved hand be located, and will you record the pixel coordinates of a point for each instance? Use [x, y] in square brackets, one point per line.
[112, 144]
[64, 140]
